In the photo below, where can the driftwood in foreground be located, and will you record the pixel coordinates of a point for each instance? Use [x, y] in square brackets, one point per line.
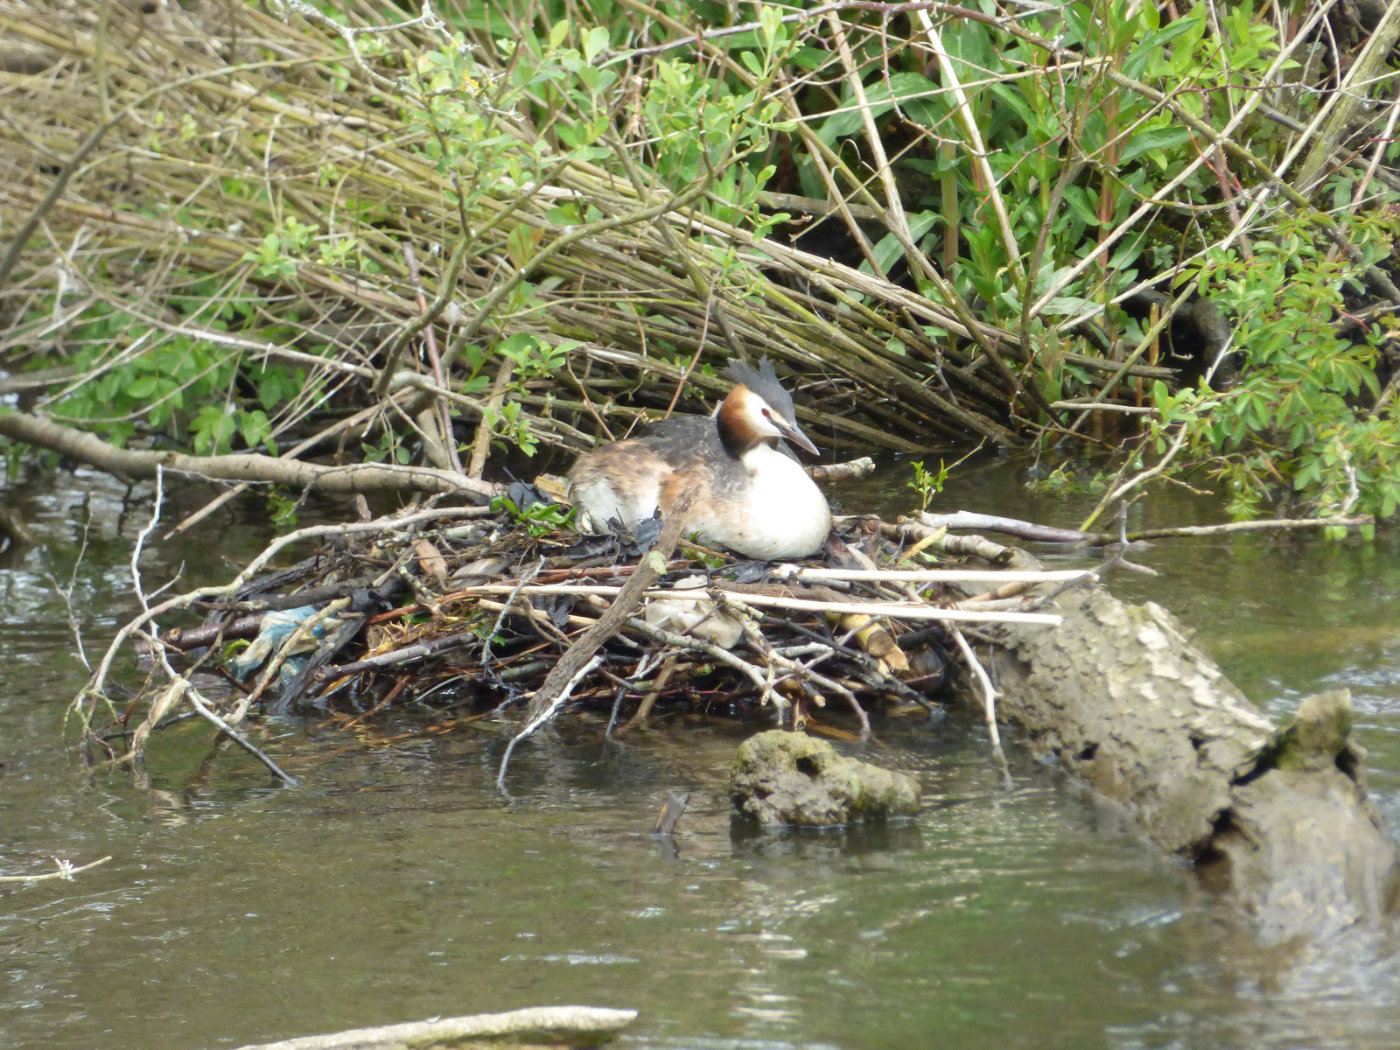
[535, 1026]
[1277, 820]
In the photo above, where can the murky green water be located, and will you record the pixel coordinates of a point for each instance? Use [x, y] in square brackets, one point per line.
[397, 884]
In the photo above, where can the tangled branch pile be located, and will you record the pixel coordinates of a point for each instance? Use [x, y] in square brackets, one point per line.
[239, 226]
[464, 610]
[225, 157]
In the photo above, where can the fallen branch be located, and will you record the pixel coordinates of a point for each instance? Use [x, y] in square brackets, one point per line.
[851, 469]
[1026, 530]
[536, 1024]
[357, 478]
[893, 609]
[1226, 528]
[943, 575]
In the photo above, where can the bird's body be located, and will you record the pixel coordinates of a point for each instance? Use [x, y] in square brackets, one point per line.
[752, 495]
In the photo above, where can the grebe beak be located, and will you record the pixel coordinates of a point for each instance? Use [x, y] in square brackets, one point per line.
[793, 434]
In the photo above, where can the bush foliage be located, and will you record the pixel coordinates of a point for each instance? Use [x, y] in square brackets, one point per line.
[234, 225]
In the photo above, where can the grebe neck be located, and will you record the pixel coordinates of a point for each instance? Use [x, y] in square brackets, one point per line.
[736, 430]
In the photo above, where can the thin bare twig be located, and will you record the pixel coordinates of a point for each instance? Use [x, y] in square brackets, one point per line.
[555, 703]
[65, 871]
[988, 694]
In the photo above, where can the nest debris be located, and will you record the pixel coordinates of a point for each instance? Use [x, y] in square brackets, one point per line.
[472, 609]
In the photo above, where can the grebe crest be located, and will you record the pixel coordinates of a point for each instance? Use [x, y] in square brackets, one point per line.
[754, 497]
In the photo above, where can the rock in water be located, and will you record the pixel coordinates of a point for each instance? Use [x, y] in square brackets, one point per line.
[788, 778]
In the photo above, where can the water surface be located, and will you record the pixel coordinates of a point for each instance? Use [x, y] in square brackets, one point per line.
[397, 884]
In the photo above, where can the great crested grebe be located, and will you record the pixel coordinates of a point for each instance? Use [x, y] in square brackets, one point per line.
[753, 496]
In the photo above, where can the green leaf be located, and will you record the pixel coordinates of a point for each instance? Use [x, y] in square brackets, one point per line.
[594, 42]
[1167, 138]
[905, 88]
[1081, 205]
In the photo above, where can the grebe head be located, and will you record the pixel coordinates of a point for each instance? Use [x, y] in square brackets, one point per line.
[758, 409]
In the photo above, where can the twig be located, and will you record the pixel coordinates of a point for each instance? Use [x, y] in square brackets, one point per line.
[209, 715]
[976, 150]
[759, 644]
[398, 657]
[446, 446]
[774, 657]
[894, 609]
[545, 715]
[66, 593]
[663, 676]
[1225, 528]
[552, 1025]
[525, 578]
[481, 445]
[989, 700]
[710, 649]
[65, 871]
[1026, 530]
[941, 575]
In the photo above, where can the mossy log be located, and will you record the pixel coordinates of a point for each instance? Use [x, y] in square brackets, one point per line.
[1277, 820]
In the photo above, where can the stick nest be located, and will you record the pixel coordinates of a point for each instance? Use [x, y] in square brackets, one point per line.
[475, 615]
[429, 610]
